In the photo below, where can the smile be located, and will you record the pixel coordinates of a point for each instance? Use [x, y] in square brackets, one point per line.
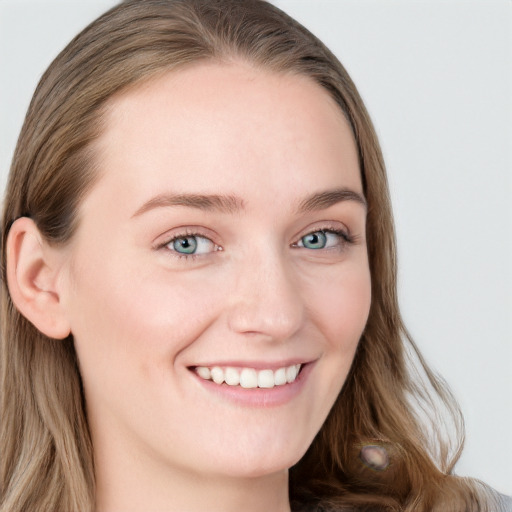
[249, 378]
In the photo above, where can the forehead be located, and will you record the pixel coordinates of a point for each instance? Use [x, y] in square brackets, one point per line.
[227, 128]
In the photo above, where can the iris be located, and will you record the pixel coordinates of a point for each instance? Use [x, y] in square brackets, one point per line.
[316, 240]
[185, 245]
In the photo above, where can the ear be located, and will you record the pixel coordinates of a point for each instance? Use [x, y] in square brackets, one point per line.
[32, 276]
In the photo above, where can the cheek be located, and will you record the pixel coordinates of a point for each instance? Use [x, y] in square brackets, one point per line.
[130, 332]
[148, 313]
[340, 306]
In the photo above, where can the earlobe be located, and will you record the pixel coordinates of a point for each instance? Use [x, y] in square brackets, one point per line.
[32, 276]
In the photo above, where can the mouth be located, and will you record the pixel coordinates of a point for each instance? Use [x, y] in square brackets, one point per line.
[249, 378]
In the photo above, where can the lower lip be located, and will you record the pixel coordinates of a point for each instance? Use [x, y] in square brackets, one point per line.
[259, 397]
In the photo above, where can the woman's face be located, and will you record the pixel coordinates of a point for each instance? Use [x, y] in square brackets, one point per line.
[224, 240]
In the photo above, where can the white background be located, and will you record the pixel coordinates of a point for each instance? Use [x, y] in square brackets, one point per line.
[437, 79]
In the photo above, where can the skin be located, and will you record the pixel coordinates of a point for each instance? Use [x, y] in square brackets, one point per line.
[142, 317]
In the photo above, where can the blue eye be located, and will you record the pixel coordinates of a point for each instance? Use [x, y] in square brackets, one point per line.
[191, 245]
[185, 245]
[324, 239]
[316, 240]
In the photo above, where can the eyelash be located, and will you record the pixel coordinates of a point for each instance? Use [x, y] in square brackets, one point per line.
[346, 239]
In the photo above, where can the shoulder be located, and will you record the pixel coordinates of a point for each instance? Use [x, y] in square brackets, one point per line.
[505, 503]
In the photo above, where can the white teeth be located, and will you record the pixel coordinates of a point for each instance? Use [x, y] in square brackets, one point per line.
[266, 379]
[280, 377]
[204, 372]
[249, 377]
[217, 375]
[291, 373]
[232, 377]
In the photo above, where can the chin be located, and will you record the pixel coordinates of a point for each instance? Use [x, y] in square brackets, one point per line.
[251, 464]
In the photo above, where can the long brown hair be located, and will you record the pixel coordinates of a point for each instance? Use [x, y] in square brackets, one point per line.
[45, 449]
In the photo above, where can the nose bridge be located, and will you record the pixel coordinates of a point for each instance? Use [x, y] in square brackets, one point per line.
[266, 297]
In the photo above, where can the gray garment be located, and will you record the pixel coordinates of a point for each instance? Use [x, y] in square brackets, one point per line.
[505, 503]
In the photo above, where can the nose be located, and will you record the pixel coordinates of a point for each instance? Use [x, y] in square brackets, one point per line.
[266, 298]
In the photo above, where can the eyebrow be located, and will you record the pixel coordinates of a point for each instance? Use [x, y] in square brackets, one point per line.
[323, 200]
[226, 204]
[233, 204]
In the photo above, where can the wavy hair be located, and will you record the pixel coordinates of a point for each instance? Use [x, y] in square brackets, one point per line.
[46, 461]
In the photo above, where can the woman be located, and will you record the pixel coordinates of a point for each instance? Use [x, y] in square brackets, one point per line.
[199, 281]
